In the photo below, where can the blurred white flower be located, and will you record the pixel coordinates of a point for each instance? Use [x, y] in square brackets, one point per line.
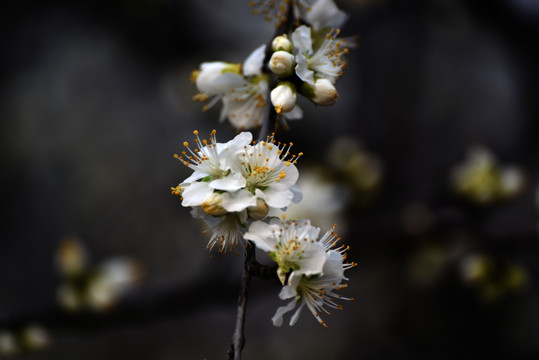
[8, 344]
[112, 280]
[481, 180]
[492, 278]
[362, 170]
[324, 14]
[94, 287]
[319, 13]
[71, 257]
[326, 201]
[35, 337]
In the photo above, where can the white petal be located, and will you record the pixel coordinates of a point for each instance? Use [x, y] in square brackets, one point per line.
[277, 319]
[303, 71]
[325, 14]
[197, 175]
[253, 64]
[295, 317]
[261, 234]
[298, 195]
[313, 260]
[232, 182]
[301, 38]
[333, 266]
[209, 71]
[196, 193]
[275, 198]
[295, 114]
[238, 200]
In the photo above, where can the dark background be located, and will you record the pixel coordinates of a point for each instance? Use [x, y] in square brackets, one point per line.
[96, 100]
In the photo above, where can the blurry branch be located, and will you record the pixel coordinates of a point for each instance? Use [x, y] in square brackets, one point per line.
[140, 307]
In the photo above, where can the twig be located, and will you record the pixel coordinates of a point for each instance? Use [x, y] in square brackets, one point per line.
[238, 339]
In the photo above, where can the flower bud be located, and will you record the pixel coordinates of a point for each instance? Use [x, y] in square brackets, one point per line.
[259, 211]
[283, 97]
[281, 42]
[282, 63]
[214, 205]
[322, 92]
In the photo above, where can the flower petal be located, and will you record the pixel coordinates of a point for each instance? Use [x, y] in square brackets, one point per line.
[295, 114]
[253, 64]
[295, 317]
[301, 37]
[313, 260]
[232, 182]
[196, 193]
[238, 200]
[275, 198]
[277, 319]
[325, 14]
[262, 235]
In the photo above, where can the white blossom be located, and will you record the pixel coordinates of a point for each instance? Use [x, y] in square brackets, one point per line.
[324, 14]
[237, 182]
[270, 174]
[227, 230]
[319, 13]
[316, 291]
[243, 89]
[325, 61]
[209, 162]
[293, 245]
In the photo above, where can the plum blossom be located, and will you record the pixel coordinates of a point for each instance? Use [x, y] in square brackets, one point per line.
[319, 290]
[325, 60]
[237, 182]
[242, 88]
[319, 13]
[293, 245]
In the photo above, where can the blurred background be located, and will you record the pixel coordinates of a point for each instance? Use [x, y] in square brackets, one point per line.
[428, 163]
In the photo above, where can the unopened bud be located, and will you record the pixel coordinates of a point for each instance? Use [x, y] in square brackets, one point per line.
[259, 211]
[284, 97]
[214, 205]
[282, 63]
[322, 92]
[281, 42]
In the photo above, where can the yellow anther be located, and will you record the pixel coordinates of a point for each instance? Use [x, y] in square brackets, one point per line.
[185, 143]
[194, 76]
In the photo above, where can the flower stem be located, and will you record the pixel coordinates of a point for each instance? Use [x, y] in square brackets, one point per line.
[238, 339]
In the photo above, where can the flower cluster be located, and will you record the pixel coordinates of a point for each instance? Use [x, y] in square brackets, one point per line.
[321, 14]
[481, 180]
[237, 186]
[309, 59]
[314, 265]
[236, 182]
